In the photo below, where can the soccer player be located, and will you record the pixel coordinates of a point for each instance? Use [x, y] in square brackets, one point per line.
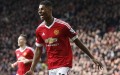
[54, 34]
[24, 56]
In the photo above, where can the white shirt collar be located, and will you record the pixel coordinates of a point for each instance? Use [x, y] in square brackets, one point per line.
[21, 50]
[50, 25]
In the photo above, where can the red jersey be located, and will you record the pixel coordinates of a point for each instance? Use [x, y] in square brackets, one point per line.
[21, 54]
[56, 40]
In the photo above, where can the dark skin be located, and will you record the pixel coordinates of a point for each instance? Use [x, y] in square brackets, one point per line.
[46, 15]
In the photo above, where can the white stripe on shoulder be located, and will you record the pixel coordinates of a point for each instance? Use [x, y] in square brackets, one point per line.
[63, 23]
[38, 45]
[31, 49]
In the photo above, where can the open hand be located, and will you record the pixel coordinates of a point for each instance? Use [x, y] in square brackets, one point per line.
[98, 63]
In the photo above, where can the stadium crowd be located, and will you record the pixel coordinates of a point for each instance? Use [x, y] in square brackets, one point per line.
[97, 23]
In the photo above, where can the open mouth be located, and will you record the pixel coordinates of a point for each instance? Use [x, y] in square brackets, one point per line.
[41, 15]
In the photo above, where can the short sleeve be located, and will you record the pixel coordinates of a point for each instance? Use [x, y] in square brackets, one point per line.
[31, 53]
[70, 32]
[39, 40]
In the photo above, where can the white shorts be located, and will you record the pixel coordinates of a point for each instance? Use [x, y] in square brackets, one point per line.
[59, 71]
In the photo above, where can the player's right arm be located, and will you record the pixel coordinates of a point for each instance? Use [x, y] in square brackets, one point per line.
[37, 55]
[38, 52]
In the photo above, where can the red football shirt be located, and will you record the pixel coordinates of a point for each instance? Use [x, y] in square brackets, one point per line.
[56, 40]
[27, 53]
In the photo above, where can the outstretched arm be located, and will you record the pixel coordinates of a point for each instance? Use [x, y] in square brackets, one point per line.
[37, 55]
[84, 49]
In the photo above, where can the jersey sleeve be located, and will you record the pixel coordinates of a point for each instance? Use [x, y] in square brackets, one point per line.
[30, 53]
[39, 40]
[70, 32]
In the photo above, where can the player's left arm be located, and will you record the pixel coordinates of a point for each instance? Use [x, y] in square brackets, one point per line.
[86, 50]
[83, 48]
[73, 35]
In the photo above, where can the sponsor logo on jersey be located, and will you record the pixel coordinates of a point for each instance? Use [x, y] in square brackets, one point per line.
[50, 40]
[21, 58]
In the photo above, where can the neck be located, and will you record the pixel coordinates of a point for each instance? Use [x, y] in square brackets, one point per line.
[22, 47]
[49, 21]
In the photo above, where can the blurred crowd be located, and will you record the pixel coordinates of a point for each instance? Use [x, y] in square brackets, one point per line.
[97, 23]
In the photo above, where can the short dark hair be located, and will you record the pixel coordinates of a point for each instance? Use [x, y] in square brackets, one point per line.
[46, 3]
[24, 35]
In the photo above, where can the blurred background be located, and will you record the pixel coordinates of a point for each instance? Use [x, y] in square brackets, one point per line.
[97, 23]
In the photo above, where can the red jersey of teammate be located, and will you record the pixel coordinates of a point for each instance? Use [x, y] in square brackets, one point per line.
[27, 53]
[56, 40]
